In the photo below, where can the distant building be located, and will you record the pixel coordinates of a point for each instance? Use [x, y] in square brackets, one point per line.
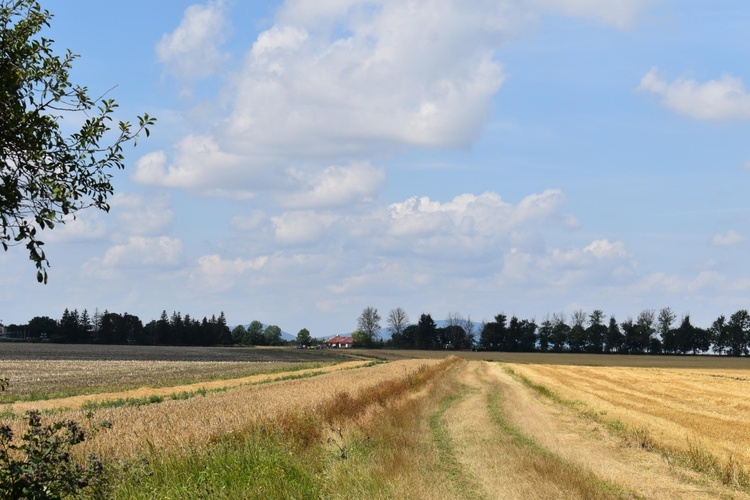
[340, 342]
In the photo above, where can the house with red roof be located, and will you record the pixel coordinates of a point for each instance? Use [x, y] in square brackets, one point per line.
[340, 342]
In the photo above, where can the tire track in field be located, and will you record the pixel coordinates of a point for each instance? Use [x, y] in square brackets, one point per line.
[499, 459]
[589, 446]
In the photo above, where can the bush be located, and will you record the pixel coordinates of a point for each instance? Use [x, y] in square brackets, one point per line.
[41, 466]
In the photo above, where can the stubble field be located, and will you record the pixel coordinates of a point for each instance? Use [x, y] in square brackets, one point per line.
[410, 424]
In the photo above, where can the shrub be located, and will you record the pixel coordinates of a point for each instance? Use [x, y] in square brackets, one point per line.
[41, 466]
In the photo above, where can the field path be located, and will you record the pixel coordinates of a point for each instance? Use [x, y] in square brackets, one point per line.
[511, 444]
[75, 402]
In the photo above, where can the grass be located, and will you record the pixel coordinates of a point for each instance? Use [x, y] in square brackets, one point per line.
[546, 464]
[301, 455]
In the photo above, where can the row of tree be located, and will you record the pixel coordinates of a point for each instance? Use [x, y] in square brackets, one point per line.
[115, 328]
[257, 334]
[649, 333]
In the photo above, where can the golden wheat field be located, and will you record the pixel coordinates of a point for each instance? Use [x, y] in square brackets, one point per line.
[185, 423]
[680, 408]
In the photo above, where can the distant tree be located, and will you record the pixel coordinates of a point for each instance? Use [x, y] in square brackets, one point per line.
[407, 340]
[304, 337]
[359, 338]
[630, 341]
[614, 337]
[397, 321]
[596, 332]
[254, 334]
[163, 330]
[42, 325]
[453, 334]
[737, 333]
[560, 332]
[85, 326]
[426, 333]
[469, 328]
[494, 334]
[368, 324]
[664, 328]
[528, 338]
[47, 176]
[577, 337]
[272, 335]
[69, 329]
[645, 330]
[238, 334]
[720, 334]
[545, 334]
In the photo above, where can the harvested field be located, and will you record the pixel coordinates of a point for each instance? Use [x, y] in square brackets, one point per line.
[40, 380]
[686, 411]
[424, 427]
[573, 359]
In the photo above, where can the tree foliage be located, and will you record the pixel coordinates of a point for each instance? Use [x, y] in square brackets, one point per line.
[46, 177]
[368, 325]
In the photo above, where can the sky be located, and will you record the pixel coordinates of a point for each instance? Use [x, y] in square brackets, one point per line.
[313, 158]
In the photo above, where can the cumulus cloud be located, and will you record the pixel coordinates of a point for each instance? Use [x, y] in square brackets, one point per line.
[729, 238]
[336, 186]
[142, 215]
[191, 51]
[141, 251]
[470, 223]
[723, 99]
[600, 262]
[344, 82]
[219, 274]
[300, 227]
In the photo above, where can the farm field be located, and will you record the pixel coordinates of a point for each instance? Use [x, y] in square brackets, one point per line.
[420, 425]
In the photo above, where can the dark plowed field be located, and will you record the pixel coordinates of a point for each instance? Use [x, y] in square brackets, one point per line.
[20, 351]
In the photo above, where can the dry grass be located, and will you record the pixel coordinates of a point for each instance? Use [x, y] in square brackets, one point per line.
[177, 425]
[694, 417]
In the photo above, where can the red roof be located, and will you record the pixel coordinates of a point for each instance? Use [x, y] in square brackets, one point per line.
[338, 339]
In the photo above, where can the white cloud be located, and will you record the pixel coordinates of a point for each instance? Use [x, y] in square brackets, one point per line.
[620, 13]
[328, 86]
[600, 262]
[337, 186]
[729, 238]
[344, 82]
[142, 215]
[723, 99]
[191, 51]
[300, 227]
[219, 274]
[471, 223]
[140, 251]
[88, 225]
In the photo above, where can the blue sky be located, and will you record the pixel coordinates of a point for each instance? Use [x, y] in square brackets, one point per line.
[315, 158]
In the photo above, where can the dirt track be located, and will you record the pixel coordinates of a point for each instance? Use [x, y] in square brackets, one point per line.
[524, 447]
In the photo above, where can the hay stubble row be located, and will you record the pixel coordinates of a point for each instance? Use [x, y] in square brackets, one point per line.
[679, 407]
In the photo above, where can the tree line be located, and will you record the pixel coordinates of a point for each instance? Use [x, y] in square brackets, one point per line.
[651, 332]
[114, 328]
